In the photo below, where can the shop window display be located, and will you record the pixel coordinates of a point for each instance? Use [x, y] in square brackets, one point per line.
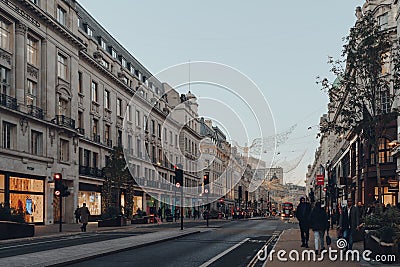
[92, 200]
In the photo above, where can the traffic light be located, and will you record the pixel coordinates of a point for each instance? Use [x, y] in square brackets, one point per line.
[64, 191]
[58, 186]
[206, 182]
[178, 176]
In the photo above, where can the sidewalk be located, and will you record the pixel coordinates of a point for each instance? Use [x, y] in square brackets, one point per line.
[150, 234]
[290, 240]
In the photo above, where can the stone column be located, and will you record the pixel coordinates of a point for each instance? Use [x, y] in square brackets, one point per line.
[20, 76]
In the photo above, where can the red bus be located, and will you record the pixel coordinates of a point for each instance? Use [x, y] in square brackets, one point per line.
[287, 210]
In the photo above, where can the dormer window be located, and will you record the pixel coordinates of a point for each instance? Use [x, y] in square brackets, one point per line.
[123, 62]
[103, 44]
[89, 30]
[131, 68]
[114, 53]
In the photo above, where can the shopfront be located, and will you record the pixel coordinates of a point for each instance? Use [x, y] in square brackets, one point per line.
[137, 202]
[24, 193]
[91, 195]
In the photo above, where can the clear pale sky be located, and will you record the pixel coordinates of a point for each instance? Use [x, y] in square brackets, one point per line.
[281, 45]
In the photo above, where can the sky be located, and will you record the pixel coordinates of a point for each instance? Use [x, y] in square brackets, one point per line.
[282, 46]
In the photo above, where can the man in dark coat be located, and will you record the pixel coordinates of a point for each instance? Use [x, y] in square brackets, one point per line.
[319, 224]
[302, 214]
[349, 222]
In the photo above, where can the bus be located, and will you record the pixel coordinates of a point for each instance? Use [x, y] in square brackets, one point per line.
[287, 210]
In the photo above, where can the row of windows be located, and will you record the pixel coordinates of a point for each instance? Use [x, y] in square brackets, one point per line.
[122, 60]
[9, 141]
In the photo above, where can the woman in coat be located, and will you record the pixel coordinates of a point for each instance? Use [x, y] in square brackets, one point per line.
[84, 217]
[318, 223]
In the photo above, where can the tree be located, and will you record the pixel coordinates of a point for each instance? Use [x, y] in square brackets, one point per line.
[366, 85]
[117, 176]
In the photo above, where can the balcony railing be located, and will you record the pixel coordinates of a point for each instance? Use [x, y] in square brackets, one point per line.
[35, 112]
[96, 138]
[108, 142]
[94, 172]
[8, 102]
[64, 121]
[81, 131]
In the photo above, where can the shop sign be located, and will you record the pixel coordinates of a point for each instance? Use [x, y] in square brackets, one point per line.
[393, 186]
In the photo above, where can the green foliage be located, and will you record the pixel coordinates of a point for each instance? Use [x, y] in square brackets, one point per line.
[110, 213]
[385, 225]
[366, 86]
[364, 81]
[116, 177]
[11, 214]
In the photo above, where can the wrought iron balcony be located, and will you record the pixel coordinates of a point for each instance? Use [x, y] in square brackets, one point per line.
[94, 172]
[64, 121]
[108, 142]
[81, 131]
[96, 138]
[8, 102]
[35, 112]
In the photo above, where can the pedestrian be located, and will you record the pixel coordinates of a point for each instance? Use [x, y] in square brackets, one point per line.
[77, 214]
[318, 223]
[159, 213]
[84, 217]
[349, 222]
[361, 210]
[302, 214]
[190, 213]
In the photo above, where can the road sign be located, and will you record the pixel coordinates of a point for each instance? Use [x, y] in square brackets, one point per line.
[320, 179]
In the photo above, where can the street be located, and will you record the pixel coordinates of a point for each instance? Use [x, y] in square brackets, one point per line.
[231, 244]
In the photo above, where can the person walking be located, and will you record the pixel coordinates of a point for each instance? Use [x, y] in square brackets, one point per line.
[159, 213]
[349, 222]
[84, 217]
[77, 214]
[318, 223]
[302, 214]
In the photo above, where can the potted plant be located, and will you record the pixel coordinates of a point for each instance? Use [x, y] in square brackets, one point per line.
[383, 232]
[12, 223]
[111, 217]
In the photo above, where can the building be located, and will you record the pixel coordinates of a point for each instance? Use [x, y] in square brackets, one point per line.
[348, 160]
[70, 93]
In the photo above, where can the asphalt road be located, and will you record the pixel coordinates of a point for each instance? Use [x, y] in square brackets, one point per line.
[231, 244]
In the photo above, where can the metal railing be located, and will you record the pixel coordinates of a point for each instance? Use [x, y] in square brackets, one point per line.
[63, 120]
[94, 172]
[35, 112]
[109, 142]
[81, 131]
[96, 138]
[8, 102]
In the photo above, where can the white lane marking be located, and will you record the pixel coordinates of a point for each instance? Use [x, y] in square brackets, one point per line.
[223, 253]
[279, 237]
